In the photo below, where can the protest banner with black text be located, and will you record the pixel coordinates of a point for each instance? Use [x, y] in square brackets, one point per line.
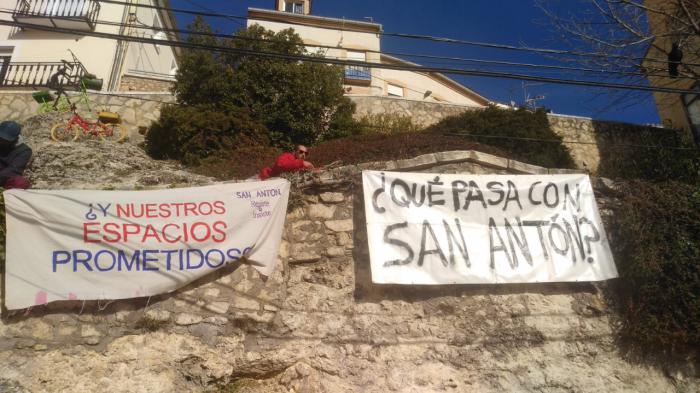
[92, 245]
[478, 229]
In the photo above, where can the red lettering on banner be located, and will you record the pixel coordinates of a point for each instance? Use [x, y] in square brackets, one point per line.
[107, 228]
[87, 232]
[219, 231]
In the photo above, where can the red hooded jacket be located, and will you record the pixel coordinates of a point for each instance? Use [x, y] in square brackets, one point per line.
[286, 162]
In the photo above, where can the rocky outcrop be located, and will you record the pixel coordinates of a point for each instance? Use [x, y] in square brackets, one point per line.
[318, 324]
[91, 163]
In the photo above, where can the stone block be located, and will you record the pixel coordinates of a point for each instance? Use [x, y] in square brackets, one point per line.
[332, 197]
[335, 251]
[521, 167]
[423, 161]
[217, 307]
[158, 315]
[187, 319]
[321, 211]
[340, 225]
[212, 292]
[303, 253]
[447, 157]
[344, 239]
[489, 160]
[89, 331]
[245, 303]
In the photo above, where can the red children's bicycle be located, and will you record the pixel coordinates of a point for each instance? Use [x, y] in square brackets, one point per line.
[105, 128]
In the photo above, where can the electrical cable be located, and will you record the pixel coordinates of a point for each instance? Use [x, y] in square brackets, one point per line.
[404, 54]
[322, 60]
[426, 37]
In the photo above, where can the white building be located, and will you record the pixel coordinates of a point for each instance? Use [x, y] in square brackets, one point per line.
[29, 56]
[360, 40]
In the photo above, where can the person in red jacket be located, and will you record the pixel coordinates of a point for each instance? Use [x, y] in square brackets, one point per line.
[288, 162]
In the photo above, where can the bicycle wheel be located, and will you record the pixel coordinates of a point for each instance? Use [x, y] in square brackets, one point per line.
[114, 133]
[61, 132]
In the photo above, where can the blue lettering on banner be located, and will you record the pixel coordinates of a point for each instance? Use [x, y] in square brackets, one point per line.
[143, 260]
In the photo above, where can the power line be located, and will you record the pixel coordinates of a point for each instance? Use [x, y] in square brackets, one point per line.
[427, 37]
[322, 60]
[404, 54]
[235, 20]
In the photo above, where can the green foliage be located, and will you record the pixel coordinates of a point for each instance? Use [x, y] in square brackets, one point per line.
[654, 236]
[619, 160]
[494, 126]
[190, 133]
[202, 79]
[379, 147]
[240, 163]
[297, 101]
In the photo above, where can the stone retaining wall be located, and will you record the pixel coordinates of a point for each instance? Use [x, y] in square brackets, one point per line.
[142, 83]
[423, 113]
[588, 136]
[136, 109]
[318, 324]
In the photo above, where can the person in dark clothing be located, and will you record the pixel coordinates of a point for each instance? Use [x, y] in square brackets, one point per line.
[288, 162]
[14, 156]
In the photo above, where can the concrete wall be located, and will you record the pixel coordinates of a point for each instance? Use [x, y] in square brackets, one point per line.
[137, 110]
[318, 324]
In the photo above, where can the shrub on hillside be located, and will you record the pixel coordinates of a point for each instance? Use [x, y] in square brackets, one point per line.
[495, 127]
[654, 236]
[191, 133]
[299, 102]
[373, 147]
[624, 155]
[240, 163]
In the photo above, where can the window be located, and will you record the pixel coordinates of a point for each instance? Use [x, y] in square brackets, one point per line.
[394, 90]
[294, 7]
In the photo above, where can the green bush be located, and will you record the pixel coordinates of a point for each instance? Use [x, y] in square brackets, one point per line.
[191, 133]
[656, 243]
[495, 127]
[377, 147]
[298, 102]
[240, 163]
[624, 155]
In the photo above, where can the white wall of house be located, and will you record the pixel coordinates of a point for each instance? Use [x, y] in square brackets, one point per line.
[414, 85]
[100, 56]
[349, 41]
[353, 43]
[96, 54]
[149, 59]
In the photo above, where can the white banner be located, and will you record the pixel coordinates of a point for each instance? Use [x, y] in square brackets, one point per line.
[473, 229]
[90, 245]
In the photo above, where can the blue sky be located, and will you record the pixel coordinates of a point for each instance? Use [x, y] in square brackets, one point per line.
[514, 22]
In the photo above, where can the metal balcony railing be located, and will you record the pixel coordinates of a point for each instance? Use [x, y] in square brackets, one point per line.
[50, 75]
[358, 74]
[72, 14]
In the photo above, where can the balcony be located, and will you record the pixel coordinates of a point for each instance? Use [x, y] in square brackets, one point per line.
[358, 75]
[36, 75]
[68, 14]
